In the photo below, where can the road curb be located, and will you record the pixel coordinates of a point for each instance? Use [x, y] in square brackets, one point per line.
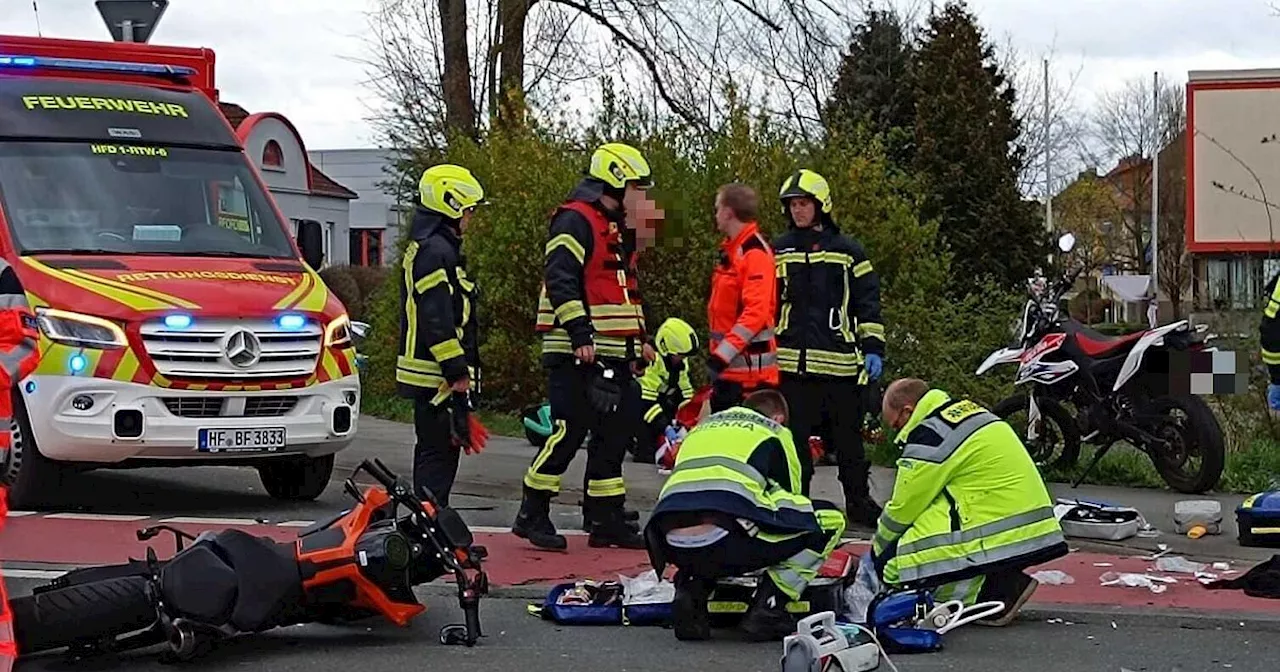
[1076, 614]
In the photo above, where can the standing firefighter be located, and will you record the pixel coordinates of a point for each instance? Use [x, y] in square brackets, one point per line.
[740, 312]
[594, 342]
[1269, 336]
[828, 329]
[439, 362]
[18, 358]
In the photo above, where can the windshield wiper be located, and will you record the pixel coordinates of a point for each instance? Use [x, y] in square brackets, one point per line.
[68, 250]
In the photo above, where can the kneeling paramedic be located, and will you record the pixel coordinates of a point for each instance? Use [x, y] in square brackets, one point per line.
[732, 506]
[969, 510]
[665, 386]
[18, 358]
[439, 362]
[591, 318]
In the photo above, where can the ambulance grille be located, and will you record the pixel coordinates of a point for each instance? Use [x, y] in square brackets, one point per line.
[201, 349]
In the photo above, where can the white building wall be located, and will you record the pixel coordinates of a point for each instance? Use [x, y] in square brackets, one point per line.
[361, 170]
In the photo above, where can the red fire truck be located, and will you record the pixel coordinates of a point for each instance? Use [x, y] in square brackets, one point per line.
[181, 323]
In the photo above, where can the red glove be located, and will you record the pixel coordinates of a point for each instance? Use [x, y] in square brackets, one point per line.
[479, 435]
[816, 449]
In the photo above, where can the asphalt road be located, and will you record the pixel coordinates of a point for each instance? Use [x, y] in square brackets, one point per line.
[515, 640]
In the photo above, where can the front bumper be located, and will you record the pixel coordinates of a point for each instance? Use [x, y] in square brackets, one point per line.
[105, 432]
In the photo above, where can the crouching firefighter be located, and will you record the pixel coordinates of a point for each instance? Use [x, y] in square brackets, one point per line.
[439, 359]
[591, 318]
[18, 358]
[969, 510]
[665, 386]
[732, 506]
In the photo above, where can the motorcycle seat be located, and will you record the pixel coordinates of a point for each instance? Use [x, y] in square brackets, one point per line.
[1097, 344]
[255, 575]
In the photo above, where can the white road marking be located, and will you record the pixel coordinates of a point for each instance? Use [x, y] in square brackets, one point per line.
[211, 521]
[42, 574]
[484, 529]
[95, 516]
[20, 514]
[296, 523]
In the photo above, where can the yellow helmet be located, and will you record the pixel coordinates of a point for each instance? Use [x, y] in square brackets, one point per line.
[676, 337]
[805, 182]
[449, 190]
[616, 164]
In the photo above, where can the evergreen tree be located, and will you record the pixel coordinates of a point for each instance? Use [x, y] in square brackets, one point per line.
[873, 85]
[967, 153]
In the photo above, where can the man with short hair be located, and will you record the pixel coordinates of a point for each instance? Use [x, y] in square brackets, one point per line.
[740, 312]
[969, 510]
[732, 506]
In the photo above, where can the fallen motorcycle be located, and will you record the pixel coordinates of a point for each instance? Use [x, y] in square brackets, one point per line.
[361, 563]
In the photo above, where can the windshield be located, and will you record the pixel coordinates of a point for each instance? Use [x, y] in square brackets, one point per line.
[90, 198]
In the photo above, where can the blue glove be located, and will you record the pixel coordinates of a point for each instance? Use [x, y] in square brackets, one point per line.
[1273, 397]
[875, 366]
[671, 434]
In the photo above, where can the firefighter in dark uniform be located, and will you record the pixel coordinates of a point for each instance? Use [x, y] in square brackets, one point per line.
[828, 330]
[1269, 337]
[665, 386]
[594, 343]
[439, 352]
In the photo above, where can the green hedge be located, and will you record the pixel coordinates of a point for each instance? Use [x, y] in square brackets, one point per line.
[527, 174]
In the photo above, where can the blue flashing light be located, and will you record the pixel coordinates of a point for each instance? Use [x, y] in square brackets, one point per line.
[177, 321]
[31, 386]
[291, 322]
[88, 65]
[78, 362]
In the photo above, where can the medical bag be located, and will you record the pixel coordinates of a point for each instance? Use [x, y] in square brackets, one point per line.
[1258, 520]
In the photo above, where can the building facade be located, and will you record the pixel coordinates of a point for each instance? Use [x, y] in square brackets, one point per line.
[300, 189]
[377, 213]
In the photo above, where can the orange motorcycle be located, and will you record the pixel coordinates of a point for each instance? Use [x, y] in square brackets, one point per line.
[361, 563]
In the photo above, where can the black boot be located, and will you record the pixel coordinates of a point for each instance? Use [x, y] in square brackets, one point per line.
[632, 518]
[534, 521]
[767, 618]
[861, 510]
[608, 527]
[689, 614]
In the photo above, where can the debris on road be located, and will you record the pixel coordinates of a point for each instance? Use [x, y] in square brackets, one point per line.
[1155, 584]
[1053, 577]
[1179, 565]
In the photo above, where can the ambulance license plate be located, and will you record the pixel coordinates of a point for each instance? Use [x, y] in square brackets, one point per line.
[257, 439]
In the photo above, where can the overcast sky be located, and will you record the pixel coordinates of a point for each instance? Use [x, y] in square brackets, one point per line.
[296, 56]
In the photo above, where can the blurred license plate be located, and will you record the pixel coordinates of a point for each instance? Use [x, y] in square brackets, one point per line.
[258, 439]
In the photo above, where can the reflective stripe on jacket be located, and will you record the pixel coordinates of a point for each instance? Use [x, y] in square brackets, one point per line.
[439, 343]
[828, 303]
[742, 464]
[590, 293]
[664, 389]
[740, 312]
[1269, 327]
[8, 647]
[967, 496]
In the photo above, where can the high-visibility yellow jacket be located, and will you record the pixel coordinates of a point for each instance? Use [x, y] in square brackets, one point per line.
[1269, 327]
[967, 498]
[664, 389]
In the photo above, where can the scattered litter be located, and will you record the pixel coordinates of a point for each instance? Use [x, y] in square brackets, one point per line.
[1153, 583]
[1113, 627]
[1178, 564]
[646, 589]
[1054, 621]
[1053, 577]
[1103, 564]
[1222, 566]
[1164, 550]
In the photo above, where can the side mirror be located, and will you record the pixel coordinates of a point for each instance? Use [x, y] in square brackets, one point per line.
[360, 329]
[311, 242]
[1067, 242]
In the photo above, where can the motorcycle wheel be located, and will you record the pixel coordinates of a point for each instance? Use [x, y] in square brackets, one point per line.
[1198, 436]
[85, 613]
[1055, 415]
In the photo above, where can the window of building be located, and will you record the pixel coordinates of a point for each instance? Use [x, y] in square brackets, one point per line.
[1232, 284]
[273, 155]
[366, 247]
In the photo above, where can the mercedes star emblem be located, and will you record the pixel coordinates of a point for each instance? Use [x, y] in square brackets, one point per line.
[243, 348]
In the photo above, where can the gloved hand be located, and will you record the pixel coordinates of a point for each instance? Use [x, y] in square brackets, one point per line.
[875, 366]
[466, 429]
[715, 367]
[672, 434]
[1273, 397]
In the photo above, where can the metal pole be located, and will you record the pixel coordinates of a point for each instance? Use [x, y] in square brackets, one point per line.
[1155, 190]
[1048, 150]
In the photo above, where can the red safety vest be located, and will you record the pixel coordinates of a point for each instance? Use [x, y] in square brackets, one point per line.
[611, 288]
[8, 647]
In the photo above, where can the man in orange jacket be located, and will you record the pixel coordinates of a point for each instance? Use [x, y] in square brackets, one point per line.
[740, 313]
[19, 353]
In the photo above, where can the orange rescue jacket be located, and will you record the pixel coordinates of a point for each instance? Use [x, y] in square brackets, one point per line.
[740, 314]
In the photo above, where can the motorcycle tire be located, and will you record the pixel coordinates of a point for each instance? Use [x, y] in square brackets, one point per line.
[1059, 416]
[88, 613]
[1203, 427]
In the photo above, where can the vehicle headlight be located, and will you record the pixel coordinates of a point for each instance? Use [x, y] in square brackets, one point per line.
[78, 329]
[338, 332]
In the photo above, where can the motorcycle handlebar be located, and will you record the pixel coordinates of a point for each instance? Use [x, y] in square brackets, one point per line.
[380, 473]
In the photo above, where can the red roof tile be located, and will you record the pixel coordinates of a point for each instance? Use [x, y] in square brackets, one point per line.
[321, 184]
